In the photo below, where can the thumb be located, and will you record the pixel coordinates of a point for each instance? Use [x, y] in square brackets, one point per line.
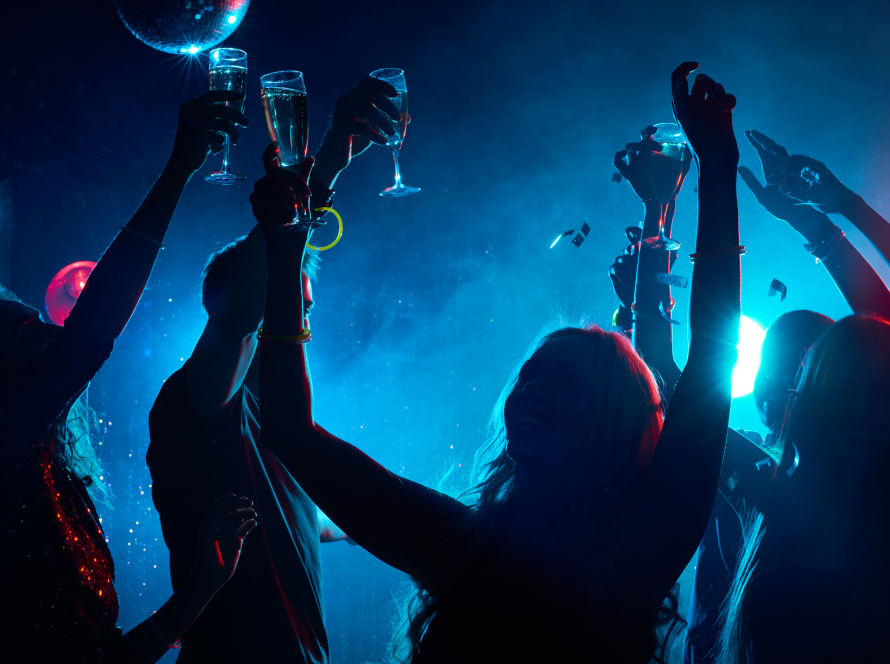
[751, 180]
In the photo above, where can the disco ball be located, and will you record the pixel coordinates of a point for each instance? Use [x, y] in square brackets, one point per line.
[181, 26]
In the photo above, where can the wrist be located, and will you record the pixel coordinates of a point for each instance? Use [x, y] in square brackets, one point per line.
[200, 586]
[329, 163]
[177, 172]
[849, 204]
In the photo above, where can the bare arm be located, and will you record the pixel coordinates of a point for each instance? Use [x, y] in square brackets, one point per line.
[681, 481]
[115, 286]
[652, 332]
[857, 281]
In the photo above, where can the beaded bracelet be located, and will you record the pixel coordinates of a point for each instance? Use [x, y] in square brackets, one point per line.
[740, 251]
[143, 236]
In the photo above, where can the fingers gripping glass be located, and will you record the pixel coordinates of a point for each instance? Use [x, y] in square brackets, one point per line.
[666, 174]
[396, 78]
[228, 71]
[286, 108]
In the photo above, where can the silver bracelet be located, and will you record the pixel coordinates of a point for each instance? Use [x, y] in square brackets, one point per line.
[154, 629]
[143, 236]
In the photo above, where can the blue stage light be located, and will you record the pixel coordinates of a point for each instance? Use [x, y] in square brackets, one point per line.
[750, 341]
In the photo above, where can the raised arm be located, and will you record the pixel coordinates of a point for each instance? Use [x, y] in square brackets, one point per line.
[681, 481]
[652, 332]
[393, 518]
[857, 281]
[115, 286]
[810, 181]
[226, 348]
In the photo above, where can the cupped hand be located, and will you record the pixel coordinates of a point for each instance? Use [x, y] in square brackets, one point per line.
[280, 196]
[633, 163]
[203, 124]
[705, 115]
[222, 533]
[810, 181]
[364, 115]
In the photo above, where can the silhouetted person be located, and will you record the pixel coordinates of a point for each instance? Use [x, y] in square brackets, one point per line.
[580, 524]
[59, 599]
[207, 435]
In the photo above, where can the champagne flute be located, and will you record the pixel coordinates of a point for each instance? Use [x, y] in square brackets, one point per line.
[287, 118]
[228, 71]
[666, 174]
[396, 78]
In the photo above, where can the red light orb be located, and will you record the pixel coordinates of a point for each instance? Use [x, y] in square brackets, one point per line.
[65, 288]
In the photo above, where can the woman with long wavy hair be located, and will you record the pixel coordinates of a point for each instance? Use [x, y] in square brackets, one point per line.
[594, 502]
[59, 599]
[811, 581]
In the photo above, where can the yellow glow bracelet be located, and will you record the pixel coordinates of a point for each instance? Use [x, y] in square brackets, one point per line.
[339, 232]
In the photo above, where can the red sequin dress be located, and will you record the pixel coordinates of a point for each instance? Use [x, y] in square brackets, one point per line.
[59, 602]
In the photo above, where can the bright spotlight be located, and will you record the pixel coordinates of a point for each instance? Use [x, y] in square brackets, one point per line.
[193, 49]
[232, 19]
[750, 340]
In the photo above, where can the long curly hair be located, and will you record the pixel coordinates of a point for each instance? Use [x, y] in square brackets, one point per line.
[628, 420]
[803, 426]
[75, 440]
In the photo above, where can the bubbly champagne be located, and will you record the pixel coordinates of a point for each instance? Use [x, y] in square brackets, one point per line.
[287, 118]
[402, 104]
[666, 170]
[226, 77]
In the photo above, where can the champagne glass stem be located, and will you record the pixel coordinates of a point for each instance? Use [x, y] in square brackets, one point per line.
[662, 220]
[225, 164]
[395, 158]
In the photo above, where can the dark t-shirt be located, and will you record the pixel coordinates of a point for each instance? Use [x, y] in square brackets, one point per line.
[58, 597]
[272, 608]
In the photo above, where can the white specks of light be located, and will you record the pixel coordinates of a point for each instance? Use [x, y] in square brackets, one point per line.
[750, 340]
[232, 19]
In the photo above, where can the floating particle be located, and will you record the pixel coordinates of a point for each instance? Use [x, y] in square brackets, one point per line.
[671, 279]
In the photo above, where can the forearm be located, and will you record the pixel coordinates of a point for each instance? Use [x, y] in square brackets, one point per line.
[327, 167]
[141, 645]
[857, 280]
[716, 279]
[872, 225]
[652, 334]
[285, 385]
[115, 286]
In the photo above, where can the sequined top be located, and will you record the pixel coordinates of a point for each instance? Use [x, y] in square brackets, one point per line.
[58, 577]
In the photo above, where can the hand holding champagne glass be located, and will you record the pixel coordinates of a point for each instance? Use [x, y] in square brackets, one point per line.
[228, 71]
[287, 119]
[396, 78]
[667, 170]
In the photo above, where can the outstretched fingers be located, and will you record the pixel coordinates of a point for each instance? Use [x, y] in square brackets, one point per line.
[680, 87]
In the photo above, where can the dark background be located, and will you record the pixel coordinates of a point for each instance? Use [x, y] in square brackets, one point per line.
[517, 107]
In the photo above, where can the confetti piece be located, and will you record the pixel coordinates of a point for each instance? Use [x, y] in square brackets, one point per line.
[578, 240]
[778, 287]
[616, 177]
[666, 315]
[561, 236]
[763, 462]
[733, 481]
[585, 229]
[671, 279]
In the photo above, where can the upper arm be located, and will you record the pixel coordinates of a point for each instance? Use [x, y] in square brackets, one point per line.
[217, 368]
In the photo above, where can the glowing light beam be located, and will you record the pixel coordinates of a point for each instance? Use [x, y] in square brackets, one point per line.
[750, 341]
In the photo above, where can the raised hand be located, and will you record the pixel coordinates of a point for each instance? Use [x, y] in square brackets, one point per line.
[203, 122]
[633, 163]
[811, 182]
[220, 538]
[623, 272]
[705, 115]
[774, 160]
[279, 196]
[362, 116]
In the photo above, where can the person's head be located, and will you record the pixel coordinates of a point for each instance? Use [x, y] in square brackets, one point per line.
[24, 334]
[839, 416]
[582, 412]
[219, 262]
[784, 346]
